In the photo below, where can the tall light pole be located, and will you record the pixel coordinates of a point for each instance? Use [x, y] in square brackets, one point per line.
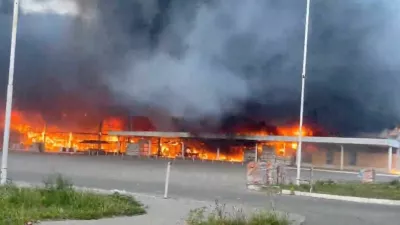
[303, 81]
[7, 123]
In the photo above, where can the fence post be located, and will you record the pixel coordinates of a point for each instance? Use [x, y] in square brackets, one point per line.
[167, 179]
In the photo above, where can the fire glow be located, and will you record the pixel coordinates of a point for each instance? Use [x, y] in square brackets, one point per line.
[394, 171]
[29, 129]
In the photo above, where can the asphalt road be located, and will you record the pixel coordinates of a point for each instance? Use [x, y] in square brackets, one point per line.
[196, 180]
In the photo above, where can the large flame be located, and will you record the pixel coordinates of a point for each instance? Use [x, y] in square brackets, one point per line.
[30, 128]
[172, 148]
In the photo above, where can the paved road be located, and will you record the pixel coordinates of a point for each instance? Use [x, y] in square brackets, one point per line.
[196, 180]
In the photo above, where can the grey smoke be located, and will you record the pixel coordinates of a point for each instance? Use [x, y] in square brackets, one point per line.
[213, 59]
[196, 71]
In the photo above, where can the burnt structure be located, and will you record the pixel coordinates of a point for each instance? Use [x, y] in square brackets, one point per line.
[73, 63]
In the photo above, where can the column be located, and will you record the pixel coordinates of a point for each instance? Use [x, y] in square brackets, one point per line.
[183, 150]
[217, 154]
[159, 147]
[149, 152]
[341, 157]
[390, 155]
[398, 159]
[118, 147]
[44, 137]
[256, 153]
[69, 140]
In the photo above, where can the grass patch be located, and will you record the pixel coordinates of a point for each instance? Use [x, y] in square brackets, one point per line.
[388, 190]
[219, 216]
[57, 200]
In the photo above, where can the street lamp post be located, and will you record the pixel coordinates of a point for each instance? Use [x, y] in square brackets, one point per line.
[7, 123]
[303, 81]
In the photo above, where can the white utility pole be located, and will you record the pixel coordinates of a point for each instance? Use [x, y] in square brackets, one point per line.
[303, 80]
[7, 123]
[167, 179]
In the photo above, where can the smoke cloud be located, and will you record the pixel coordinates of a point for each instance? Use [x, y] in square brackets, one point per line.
[209, 59]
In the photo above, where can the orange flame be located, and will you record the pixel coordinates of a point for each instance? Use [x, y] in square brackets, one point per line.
[31, 128]
[172, 148]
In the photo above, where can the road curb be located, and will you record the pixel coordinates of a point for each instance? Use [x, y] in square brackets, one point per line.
[355, 172]
[344, 198]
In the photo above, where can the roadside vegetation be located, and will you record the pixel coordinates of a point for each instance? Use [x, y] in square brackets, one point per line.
[219, 216]
[57, 200]
[388, 190]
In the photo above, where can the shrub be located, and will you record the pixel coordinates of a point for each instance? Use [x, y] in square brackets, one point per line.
[219, 216]
[58, 200]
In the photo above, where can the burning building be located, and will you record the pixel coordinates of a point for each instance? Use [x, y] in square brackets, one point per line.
[202, 61]
[183, 60]
[30, 131]
[140, 137]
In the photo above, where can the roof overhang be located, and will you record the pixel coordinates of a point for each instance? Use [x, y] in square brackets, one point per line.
[307, 139]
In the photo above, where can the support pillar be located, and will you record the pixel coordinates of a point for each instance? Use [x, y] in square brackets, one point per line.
[183, 150]
[256, 153]
[99, 137]
[44, 137]
[398, 159]
[341, 157]
[217, 154]
[159, 147]
[149, 152]
[119, 146]
[390, 155]
[70, 140]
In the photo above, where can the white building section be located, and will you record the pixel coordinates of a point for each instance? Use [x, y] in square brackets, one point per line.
[351, 156]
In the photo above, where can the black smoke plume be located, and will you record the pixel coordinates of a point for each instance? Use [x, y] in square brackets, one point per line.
[225, 60]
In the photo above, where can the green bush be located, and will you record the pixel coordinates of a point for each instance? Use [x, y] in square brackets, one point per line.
[219, 216]
[57, 200]
[395, 182]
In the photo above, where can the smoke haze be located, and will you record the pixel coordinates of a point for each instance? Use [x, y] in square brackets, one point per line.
[209, 59]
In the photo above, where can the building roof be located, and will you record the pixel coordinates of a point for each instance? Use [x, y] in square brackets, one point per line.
[327, 140]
